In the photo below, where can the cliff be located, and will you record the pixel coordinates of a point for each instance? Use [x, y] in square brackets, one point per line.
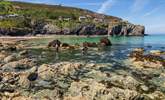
[19, 19]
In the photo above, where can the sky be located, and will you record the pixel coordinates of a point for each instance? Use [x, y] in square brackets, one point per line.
[150, 13]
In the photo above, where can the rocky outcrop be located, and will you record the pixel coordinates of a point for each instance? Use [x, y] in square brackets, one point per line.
[89, 29]
[83, 29]
[151, 60]
[127, 30]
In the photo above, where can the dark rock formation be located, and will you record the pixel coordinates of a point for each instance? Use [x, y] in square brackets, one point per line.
[65, 45]
[41, 27]
[105, 41]
[127, 30]
[54, 43]
[88, 44]
[89, 29]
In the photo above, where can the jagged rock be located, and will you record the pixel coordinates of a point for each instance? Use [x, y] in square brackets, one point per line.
[126, 30]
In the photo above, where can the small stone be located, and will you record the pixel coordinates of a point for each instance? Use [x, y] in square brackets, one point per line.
[144, 88]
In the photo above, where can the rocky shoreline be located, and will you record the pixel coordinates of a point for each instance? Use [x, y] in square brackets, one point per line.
[23, 77]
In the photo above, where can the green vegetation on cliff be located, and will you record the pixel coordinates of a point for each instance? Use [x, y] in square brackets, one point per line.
[49, 13]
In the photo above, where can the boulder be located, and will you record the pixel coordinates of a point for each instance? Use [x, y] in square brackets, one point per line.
[105, 41]
[54, 43]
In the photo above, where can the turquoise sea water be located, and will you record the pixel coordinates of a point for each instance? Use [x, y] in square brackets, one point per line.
[119, 51]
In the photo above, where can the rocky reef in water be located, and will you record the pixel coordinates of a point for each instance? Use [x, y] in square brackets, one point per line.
[20, 19]
[22, 76]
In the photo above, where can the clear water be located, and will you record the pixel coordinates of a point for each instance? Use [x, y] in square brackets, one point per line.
[114, 54]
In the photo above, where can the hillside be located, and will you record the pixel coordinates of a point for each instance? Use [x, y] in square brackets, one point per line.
[27, 18]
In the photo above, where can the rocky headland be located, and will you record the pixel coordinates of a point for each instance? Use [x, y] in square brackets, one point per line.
[26, 19]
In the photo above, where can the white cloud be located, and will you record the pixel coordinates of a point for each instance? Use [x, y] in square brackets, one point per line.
[106, 5]
[151, 12]
[138, 5]
[88, 4]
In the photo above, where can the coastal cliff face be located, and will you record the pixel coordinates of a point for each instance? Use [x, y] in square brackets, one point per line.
[127, 30]
[20, 19]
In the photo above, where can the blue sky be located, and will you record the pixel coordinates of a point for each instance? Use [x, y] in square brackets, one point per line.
[150, 13]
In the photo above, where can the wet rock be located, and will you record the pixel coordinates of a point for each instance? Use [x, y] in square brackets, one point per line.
[54, 43]
[157, 52]
[10, 58]
[32, 76]
[138, 58]
[88, 44]
[105, 41]
[65, 45]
